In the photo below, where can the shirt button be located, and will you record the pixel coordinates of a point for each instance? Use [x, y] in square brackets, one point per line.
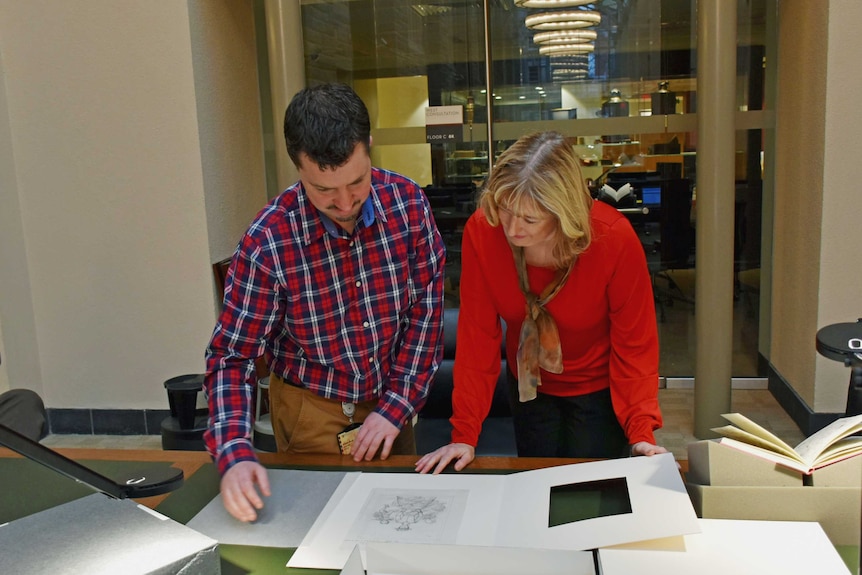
[365, 324]
[370, 360]
[358, 284]
[351, 243]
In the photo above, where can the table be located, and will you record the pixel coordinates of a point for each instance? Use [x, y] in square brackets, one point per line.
[36, 488]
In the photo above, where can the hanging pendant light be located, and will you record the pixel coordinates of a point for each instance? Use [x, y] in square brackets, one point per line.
[551, 3]
[565, 37]
[567, 20]
[566, 49]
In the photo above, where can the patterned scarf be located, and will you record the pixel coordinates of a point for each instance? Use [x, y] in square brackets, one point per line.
[539, 345]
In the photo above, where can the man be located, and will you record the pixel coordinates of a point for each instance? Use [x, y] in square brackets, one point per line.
[339, 283]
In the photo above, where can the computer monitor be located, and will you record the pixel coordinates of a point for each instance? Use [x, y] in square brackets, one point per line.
[651, 195]
[647, 185]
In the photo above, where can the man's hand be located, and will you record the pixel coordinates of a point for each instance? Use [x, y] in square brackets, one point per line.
[647, 448]
[374, 432]
[461, 453]
[238, 492]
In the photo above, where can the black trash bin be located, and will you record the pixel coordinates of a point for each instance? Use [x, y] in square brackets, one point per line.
[185, 427]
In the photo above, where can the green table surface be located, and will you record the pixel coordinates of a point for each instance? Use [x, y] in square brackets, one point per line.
[28, 487]
[37, 488]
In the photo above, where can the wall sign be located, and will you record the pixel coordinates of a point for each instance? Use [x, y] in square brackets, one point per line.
[444, 124]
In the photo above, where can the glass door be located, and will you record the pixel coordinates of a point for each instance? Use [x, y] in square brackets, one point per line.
[618, 77]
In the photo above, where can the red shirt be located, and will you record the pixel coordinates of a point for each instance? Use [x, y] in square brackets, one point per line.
[605, 314]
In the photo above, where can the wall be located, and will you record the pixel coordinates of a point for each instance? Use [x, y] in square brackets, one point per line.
[840, 292]
[106, 286]
[20, 362]
[816, 210]
[800, 125]
[224, 58]
[398, 103]
[286, 77]
[4, 373]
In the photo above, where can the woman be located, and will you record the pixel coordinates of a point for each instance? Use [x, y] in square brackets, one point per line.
[569, 278]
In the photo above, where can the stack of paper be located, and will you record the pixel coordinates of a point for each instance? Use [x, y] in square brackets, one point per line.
[495, 510]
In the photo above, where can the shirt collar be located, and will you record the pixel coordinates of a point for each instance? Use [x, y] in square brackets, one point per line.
[366, 215]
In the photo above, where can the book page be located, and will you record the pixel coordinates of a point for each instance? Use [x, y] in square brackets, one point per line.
[815, 445]
[840, 450]
[745, 430]
[745, 437]
[619, 194]
[767, 454]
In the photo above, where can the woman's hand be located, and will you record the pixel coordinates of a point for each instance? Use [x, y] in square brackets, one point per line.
[437, 460]
[647, 448]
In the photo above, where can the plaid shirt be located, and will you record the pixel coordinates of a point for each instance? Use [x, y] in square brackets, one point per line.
[350, 317]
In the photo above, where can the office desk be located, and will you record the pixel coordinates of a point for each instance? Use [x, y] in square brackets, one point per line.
[28, 487]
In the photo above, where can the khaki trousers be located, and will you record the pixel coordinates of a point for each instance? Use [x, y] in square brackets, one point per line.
[304, 422]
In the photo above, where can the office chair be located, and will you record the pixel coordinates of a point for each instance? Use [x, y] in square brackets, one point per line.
[676, 240]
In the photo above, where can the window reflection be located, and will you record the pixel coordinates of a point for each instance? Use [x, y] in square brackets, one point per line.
[621, 84]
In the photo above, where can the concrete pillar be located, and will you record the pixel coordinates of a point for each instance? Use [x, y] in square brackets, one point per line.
[287, 73]
[716, 96]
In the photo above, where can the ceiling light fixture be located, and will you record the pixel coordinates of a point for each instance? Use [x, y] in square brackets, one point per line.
[580, 61]
[565, 36]
[564, 74]
[566, 49]
[564, 42]
[571, 60]
[426, 10]
[563, 20]
[551, 3]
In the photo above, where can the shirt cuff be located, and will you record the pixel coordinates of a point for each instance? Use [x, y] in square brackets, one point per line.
[641, 432]
[464, 433]
[233, 453]
[393, 408]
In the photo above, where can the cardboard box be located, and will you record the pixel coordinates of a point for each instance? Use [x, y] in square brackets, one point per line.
[725, 483]
[712, 463]
[837, 509]
[735, 547]
[97, 534]
[420, 559]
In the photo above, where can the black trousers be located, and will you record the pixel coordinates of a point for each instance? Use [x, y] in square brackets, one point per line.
[579, 426]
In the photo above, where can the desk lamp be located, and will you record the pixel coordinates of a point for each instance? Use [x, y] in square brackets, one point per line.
[843, 342]
[140, 484]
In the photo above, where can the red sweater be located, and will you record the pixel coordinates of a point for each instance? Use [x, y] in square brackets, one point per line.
[605, 315]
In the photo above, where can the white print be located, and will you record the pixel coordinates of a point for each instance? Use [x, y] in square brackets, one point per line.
[410, 516]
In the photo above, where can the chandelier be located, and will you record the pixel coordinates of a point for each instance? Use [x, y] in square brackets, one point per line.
[561, 31]
[565, 20]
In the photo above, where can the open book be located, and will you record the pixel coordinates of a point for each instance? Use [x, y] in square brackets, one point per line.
[624, 195]
[829, 445]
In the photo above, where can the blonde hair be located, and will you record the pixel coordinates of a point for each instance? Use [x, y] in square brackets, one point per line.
[542, 170]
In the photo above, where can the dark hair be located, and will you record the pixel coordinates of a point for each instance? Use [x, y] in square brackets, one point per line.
[326, 122]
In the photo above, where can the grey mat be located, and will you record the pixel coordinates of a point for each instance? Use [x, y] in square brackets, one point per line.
[297, 499]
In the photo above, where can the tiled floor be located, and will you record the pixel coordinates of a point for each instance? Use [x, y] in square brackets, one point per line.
[676, 404]
[104, 441]
[677, 407]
